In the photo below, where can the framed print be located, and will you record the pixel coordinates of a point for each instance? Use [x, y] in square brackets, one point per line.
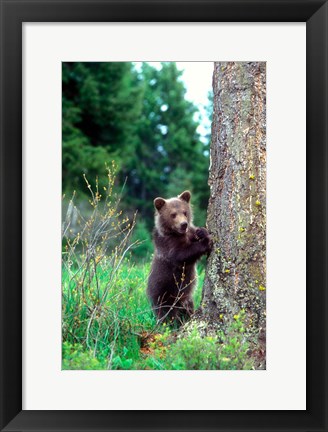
[106, 327]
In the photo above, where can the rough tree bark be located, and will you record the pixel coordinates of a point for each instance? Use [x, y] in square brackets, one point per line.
[236, 270]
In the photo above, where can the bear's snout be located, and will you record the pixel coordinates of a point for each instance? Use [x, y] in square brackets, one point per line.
[184, 226]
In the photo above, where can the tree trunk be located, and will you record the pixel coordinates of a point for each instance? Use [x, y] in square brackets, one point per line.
[236, 270]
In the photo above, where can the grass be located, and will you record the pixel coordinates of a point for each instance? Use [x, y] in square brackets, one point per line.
[126, 318]
[125, 334]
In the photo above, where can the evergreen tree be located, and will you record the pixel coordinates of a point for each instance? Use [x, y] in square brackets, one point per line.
[101, 107]
[170, 154]
[140, 119]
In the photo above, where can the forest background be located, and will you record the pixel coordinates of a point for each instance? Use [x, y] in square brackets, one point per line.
[137, 115]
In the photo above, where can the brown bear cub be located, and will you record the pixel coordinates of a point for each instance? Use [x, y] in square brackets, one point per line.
[178, 245]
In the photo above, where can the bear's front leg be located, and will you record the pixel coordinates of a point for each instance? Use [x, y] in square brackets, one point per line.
[192, 251]
[202, 235]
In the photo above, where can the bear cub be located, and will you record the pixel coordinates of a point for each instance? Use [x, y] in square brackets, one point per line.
[178, 246]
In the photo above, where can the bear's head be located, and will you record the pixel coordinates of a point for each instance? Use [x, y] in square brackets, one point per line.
[173, 215]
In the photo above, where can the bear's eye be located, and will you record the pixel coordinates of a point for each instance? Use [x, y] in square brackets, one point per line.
[173, 215]
[185, 213]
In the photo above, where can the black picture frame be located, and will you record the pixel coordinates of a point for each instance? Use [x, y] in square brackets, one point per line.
[13, 14]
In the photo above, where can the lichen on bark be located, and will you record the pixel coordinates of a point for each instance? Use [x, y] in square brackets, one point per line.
[236, 270]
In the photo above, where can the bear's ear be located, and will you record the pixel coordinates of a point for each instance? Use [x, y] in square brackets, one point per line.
[185, 196]
[159, 203]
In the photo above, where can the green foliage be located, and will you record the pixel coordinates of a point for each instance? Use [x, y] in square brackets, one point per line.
[74, 357]
[170, 153]
[97, 289]
[191, 353]
[141, 120]
[101, 106]
[142, 235]
[194, 352]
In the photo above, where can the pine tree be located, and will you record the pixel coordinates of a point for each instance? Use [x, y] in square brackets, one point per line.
[101, 107]
[170, 154]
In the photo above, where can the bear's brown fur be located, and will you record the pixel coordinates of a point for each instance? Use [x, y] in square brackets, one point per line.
[178, 245]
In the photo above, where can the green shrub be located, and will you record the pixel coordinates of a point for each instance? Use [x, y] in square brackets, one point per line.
[103, 294]
[141, 234]
[74, 357]
[194, 352]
